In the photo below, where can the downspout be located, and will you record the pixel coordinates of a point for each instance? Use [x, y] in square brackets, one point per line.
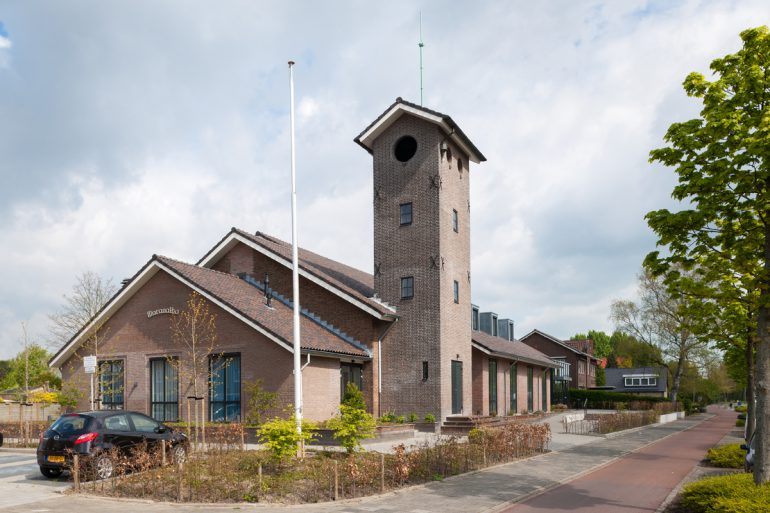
[379, 365]
[307, 362]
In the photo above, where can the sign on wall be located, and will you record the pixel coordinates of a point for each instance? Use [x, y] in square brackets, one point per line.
[89, 364]
[160, 311]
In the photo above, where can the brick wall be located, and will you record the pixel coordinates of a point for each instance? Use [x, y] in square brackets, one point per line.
[131, 336]
[431, 328]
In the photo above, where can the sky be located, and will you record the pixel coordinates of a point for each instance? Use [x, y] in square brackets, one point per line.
[134, 128]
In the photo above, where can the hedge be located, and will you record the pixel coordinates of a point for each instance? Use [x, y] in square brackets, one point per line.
[727, 456]
[726, 494]
[600, 398]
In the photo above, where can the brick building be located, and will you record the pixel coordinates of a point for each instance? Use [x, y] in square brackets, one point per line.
[577, 354]
[404, 334]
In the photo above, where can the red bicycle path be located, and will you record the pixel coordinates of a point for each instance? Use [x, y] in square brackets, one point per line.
[639, 481]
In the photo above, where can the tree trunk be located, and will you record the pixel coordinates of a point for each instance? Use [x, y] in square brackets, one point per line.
[762, 374]
[750, 406]
[677, 377]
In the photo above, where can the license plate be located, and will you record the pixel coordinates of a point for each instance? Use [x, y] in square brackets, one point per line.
[55, 459]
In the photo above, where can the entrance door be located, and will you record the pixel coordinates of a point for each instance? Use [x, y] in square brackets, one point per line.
[457, 387]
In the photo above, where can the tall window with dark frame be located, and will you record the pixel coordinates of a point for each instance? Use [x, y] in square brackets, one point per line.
[514, 386]
[475, 318]
[407, 287]
[351, 373]
[225, 388]
[455, 221]
[544, 391]
[405, 214]
[111, 384]
[456, 291]
[425, 371]
[493, 387]
[164, 390]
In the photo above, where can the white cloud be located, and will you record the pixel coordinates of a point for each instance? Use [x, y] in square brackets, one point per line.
[139, 137]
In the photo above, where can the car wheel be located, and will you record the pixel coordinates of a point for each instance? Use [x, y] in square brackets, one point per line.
[103, 467]
[178, 454]
[50, 473]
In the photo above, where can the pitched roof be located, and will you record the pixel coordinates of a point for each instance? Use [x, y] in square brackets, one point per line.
[400, 107]
[511, 349]
[614, 377]
[235, 296]
[348, 282]
[563, 343]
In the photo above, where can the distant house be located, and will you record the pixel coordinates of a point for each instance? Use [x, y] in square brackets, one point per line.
[577, 354]
[649, 381]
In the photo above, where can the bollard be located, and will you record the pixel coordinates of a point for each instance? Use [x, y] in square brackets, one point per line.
[179, 481]
[76, 471]
[336, 481]
[382, 473]
[163, 453]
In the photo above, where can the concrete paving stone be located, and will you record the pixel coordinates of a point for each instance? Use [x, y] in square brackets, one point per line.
[485, 490]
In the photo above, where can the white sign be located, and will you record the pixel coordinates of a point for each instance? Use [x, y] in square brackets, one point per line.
[89, 364]
[170, 310]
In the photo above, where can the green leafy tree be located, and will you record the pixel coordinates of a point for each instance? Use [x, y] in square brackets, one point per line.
[600, 339]
[353, 424]
[33, 360]
[601, 377]
[722, 159]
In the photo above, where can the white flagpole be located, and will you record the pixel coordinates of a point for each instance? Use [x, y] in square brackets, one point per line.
[295, 275]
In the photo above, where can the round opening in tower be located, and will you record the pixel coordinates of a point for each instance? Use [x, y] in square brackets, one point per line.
[405, 148]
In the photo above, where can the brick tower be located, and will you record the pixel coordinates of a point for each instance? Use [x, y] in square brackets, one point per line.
[422, 258]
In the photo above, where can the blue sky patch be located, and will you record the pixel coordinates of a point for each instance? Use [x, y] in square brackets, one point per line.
[3, 32]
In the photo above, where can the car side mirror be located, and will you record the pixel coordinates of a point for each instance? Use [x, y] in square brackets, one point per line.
[161, 429]
[744, 447]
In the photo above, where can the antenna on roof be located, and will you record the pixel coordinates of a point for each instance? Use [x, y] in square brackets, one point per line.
[420, 44]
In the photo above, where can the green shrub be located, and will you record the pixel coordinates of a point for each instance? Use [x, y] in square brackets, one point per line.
[741, 409]
[353, 424]
[281, 437]
[430, 418]
[260, 401]
[353, 397]
[413, 417]
[387, 417]
[740, 423]
[400, 419]
[731, 493]
[727, 456]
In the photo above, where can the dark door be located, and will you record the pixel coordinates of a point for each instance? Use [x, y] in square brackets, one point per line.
[457, 387]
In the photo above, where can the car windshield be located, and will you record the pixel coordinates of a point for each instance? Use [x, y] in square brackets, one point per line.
[72, 424]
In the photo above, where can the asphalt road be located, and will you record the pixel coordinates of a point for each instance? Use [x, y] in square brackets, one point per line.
[637, 482]
[21, 482]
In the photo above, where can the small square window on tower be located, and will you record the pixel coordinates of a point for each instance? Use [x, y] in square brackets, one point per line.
[456, 291]
[407, 287]
[455, 221]
[405, 214]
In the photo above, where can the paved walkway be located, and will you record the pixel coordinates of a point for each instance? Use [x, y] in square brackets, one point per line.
[639, 482]
[492, 489]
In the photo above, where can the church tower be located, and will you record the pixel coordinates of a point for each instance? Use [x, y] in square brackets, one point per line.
[422, 258]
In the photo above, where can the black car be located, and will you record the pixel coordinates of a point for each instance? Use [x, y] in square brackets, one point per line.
[96, 436]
